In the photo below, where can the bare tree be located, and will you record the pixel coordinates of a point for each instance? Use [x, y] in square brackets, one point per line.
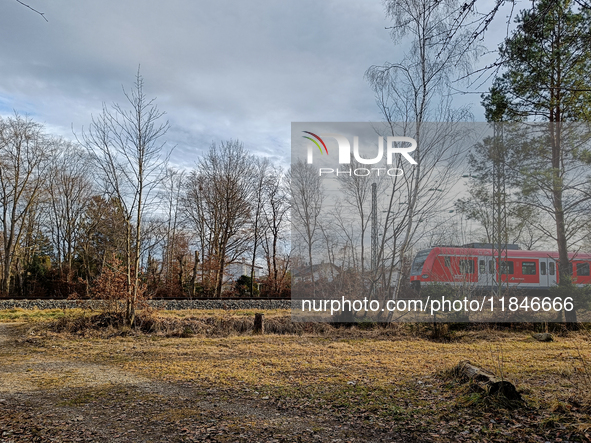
[24, 159]
[413, 91]
[69, 192]
[521, 220]
[196, 211]
[218, 203]
[261, 179]
[128, 148]
[276, 220]
[357, 193]
[306, 207]
[171, 253]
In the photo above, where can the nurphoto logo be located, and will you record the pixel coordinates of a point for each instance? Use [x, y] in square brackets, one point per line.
[394, 145]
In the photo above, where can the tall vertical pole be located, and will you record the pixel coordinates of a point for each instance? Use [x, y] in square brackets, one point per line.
[499, 221]
[374, 227]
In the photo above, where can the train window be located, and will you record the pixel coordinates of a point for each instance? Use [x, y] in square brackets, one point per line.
[417, 264]
[467, 266]
[447, 262]
[482, 267]
[552, 268]
[543, 268]
[507, 267]
[528, 268]
[582, 268]
[491, 267]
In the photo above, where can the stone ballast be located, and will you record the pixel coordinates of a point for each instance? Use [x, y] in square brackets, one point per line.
[168, 305]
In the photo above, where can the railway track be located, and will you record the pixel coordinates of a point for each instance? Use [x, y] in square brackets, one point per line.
[160, 298]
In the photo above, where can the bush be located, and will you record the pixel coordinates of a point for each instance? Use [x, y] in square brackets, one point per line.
[243, 287]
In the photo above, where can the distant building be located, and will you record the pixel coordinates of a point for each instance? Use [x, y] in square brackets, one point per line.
[236, 269]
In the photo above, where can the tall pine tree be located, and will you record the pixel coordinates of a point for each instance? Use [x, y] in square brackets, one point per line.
[547, 63]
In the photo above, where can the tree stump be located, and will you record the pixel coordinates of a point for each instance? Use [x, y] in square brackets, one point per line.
[487, 381]
[259, 327]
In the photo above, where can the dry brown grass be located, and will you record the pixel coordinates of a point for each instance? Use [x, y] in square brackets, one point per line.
[392, 373]
[176, 324]
[221, 350]
[31, 315]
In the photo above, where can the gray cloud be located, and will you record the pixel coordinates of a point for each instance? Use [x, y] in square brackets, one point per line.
[221, 70]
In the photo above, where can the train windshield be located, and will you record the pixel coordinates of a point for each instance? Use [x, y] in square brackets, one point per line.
[419, 261]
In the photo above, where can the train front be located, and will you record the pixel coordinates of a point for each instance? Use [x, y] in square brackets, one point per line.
[418, 273]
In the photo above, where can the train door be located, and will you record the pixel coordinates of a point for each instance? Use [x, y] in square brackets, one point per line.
[548, 272]
[552, 272]
[485, 278]
[491, 270]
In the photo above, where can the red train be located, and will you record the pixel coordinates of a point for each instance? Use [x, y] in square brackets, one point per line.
[475, 264]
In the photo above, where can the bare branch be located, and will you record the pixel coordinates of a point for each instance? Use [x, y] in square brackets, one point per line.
[42, 14]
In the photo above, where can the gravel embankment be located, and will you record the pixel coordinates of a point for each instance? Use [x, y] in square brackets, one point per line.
[162, 304]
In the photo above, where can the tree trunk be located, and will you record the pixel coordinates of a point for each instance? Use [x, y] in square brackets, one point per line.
[8, 255]
[194, 277]
[182, 263]
[259, 327]
[128, 269]
[220, 276]
[564, 265]
[487, 381]
[6, 278]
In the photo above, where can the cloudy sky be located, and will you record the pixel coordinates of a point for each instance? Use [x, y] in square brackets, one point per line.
[221, 70]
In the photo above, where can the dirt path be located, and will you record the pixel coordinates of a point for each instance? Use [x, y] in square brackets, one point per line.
[35, 372]
[5, 333]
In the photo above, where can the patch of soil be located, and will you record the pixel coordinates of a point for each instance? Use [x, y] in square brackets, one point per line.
[54, 400]
[184, 414]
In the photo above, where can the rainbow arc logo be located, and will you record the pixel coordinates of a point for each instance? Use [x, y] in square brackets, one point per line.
[315, 142]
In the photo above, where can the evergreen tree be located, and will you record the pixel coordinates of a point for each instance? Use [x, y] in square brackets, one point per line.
[547, 61]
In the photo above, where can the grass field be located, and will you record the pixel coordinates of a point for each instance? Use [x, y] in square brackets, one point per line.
[340, 385]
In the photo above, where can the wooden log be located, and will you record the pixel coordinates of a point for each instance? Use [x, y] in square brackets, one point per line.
[543, 337]
[259, 327]
[487, 381]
